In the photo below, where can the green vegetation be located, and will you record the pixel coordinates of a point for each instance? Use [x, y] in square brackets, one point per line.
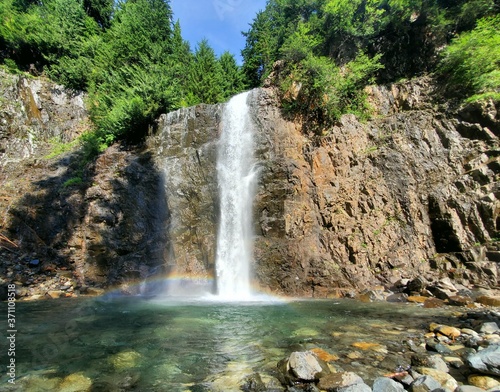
[472, 61]
[132, 60]
[128, 55]
[58, 147]
[72, 182]
[324, 52]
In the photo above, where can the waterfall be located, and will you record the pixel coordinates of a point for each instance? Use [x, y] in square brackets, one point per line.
[236, 173]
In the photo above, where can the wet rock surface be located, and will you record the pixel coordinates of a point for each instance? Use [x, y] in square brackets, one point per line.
[470, 369]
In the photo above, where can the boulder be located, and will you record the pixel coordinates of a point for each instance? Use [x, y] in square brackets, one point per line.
[302, 366]
[442, 378]
[488, 328]
[430, 361]
[253, 383]
[424, 384]
[488, 300]
[468, 388]
[445, 330]
[483, 382]
[486, 361]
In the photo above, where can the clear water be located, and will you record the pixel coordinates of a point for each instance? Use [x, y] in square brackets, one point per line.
[236, 176]
[168, 345]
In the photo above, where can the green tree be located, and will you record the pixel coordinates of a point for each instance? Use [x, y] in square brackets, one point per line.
[100, 10]
[232, 77]
[132, 81]
[205, 77]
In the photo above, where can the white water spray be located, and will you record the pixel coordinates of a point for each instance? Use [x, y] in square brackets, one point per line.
[237, 177]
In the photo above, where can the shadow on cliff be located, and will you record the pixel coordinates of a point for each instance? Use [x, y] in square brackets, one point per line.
[105, 222]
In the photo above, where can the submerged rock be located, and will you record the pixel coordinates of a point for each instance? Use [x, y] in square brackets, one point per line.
[306, 366]
[339, 381]
[76, 382]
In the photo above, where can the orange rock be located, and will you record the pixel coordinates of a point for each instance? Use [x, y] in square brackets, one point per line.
[445, 330]
[488, 301]
[432, 303]
[324, 355]
[369, 346]
[416, 299]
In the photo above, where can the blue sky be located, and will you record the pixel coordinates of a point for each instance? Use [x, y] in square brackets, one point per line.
[219, 21]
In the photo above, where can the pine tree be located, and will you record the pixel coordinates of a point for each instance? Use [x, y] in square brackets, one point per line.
[232, 77]
[205, 77]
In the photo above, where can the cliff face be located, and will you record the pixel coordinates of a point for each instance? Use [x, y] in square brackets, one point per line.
[412, 192]
[34, 111]
[366, 204]
[371, 203]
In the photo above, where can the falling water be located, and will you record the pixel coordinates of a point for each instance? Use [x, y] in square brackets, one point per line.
[236, 176]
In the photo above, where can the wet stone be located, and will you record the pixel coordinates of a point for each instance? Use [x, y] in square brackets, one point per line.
[443, 378]
[483, 382]
[335, 381]
[424, 384]
[486, 361]
[432, 361]
[490, 327]
[384, 384]
[305, 365]
[253, 383]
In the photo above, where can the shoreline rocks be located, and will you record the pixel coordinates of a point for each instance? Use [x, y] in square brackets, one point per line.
[474, 369]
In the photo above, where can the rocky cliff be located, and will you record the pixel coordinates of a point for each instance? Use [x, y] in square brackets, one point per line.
[411, 193]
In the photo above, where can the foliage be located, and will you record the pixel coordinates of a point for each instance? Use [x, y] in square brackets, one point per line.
[472, 61]
[128, 55]
[321, 92]
[233, 78]
[72, 182]
[328, 44]
[205, 76]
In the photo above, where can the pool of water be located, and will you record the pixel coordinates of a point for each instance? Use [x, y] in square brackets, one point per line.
[164, 344]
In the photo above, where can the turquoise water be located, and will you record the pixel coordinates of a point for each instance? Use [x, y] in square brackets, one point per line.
[166, 345]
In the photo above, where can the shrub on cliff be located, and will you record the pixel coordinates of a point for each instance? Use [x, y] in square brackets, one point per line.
[472, 61]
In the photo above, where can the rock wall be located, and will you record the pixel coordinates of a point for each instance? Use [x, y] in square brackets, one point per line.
[34, 111]
[412, 192]
[370, 203]
[185, 152]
